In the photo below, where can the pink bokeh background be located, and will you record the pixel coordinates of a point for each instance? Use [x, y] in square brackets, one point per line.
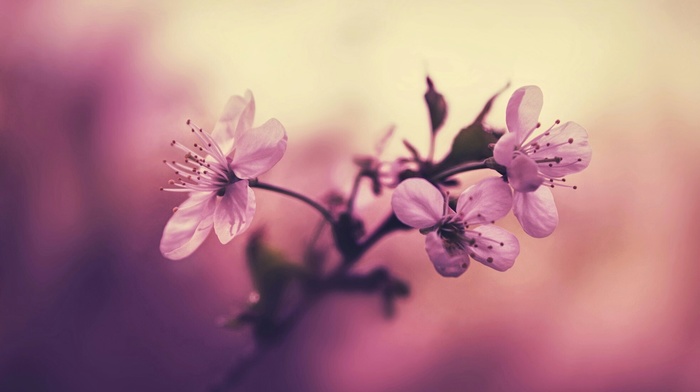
[91, 93]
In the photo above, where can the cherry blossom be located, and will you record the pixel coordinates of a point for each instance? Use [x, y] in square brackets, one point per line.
[534, 165]
[215, 174]
[451, 236]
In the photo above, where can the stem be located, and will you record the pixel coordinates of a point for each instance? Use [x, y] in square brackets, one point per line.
[326, 214]
[431, 151]
[353, 193]
[390, 223]
[461, 169]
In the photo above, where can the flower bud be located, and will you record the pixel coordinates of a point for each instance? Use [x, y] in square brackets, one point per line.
[436, 106]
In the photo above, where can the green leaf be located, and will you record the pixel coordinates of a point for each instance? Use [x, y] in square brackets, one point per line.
[472, 142]
[271, 273]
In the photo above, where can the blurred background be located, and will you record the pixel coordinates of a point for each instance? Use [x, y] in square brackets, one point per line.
[91, 93]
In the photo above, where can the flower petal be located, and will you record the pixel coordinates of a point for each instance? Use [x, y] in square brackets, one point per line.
[189, 226]
[235, 211]
[523, 111]
[446, 264]
[485, 201]
[259, 149]
[238, 115]
[503, 150]
[536, 212]
[523, 174]
[495, 247]
[417, 203]
[569, 142]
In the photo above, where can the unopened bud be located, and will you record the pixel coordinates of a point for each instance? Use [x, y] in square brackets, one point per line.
[436, 106]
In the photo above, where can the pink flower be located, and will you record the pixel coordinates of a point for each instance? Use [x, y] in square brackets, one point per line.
[215, 174]
[450, 240]
[543, 160]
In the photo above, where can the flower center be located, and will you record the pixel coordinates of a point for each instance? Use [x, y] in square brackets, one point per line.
[452, 233]
[205, 167]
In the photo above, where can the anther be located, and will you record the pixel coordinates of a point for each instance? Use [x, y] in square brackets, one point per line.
[557, 122]
[502, 244]
[161, 188]
[575, 187]
[489, 259]
[174, 209]
[538, 125]
[188, 121]
[571, 140]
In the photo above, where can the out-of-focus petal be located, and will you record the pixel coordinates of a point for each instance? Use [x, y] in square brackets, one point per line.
[523, 111]
[488, 200]
[235, 211]
[536, 212]
[503, 150]
[569, 142]
[523, 174]
[495, 247]
[445, 263]
[238, 114]
[259, 149]
[189, 226]
[417, 203]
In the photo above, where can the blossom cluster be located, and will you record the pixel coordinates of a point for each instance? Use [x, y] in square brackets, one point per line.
[533, 165]
[218, 171]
